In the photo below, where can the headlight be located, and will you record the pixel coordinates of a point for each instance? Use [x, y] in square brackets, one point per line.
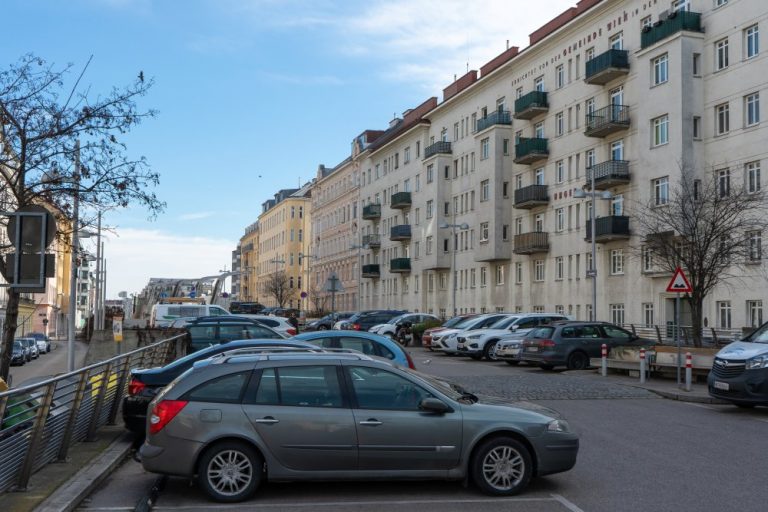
[473, 336]
[558, 426]
[757, 362]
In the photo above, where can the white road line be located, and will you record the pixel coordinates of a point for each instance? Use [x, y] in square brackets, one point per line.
[701, 406]
[567, 504]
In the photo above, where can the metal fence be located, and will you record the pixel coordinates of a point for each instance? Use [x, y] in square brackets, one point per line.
[40, 422]
[665, 334]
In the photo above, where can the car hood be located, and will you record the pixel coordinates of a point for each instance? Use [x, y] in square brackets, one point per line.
[506, 403]
[743, 350]
[447, 332]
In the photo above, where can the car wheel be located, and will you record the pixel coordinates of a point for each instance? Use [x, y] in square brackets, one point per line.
[744, 405]
[578, 361]
[501, 466]
[545, 366]
[513, 363]
[230, 471]
[489, 350]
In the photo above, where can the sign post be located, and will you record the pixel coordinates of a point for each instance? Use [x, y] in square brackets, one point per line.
[679, 284]
[333, 285]
[117, 333]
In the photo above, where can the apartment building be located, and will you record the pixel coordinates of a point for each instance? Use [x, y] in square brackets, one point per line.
[475, 197]
[248, 289]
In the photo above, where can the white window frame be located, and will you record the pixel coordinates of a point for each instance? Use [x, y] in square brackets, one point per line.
[660, 191]
[660, 69]
[722, 119]
[617, 262]
[752, 109]
[484, 232]
[485, 148]
[752, 178]
[660, 131]
[485, 191]
[721, 54]
[539, 271]
[751, 42]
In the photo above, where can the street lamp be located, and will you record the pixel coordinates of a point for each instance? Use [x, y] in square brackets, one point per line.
[453, 227]
[592, 272]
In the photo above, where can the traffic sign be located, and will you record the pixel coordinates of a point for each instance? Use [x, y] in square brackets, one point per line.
[333, 284]
[679, 283]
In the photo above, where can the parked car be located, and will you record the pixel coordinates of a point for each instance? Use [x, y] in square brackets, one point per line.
[31, 345]
[295, 417]
[43, 343]
[18, 354]
[482, 343]
[278, 323]
[145, 383]
[249, 308]
[572, 344]
[446, 341]
[364, 320]
[740, 371]
[393, 325]
[326, 322]
[213, 332]
[426, 338]
[364, 342]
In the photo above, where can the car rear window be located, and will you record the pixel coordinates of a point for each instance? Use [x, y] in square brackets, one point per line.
[226, 389]
[542, 333]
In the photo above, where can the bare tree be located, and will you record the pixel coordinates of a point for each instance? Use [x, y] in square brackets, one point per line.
[709, 228]
[47, 119]
[318, 298]
[277, 287]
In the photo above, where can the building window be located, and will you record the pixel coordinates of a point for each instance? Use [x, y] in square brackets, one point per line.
[661, 191]
[406, 155]
[617, 261]
[755, 241]
[724, 314]
[538, 270]
[751, 41]
[559, 268]
[660, 130]
[559, 124]
[485, 190]
[505, 189]
[505, 232]
[499, 275]
[681, 5]
[617, 150]
[617, 205]
[696, 64]
[697, 127]
[485, 148]
[483, 276]
[617, 314]
[720, 3]
[722, 119]
[660, 69]
[519, 272]
[505, 146]
[752, 109]
[589, 158]
[472, 278]
[445, 245]
[646, 22]
[647, 259]
[616, 42]
[429, 245]
[559, 172]
[559, 77]
[648, 314]
[446, 208]
[754, 313]
[538, 84]
[724, 182]
[721, 54]
[560, 219]
[430, 173]
[430, 208]
[752, 170]
[538, 130]
[484, 231]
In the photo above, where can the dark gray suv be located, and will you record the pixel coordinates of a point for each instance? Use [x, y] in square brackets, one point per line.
[237, 420]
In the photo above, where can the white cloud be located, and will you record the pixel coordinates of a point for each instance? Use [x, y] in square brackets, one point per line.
[196, 215]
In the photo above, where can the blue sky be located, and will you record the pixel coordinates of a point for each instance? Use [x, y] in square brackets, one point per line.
[253, 95]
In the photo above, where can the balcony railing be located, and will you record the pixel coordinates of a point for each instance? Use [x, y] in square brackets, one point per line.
[436, 148]
[401, 200]
[372, 241]
[372, 211]
[531, 196]
[607, 66]
[607, 120]
[614, 227]
[371, 270]
[400, 265]
[528, 151]
[608, 174]
[677, 21]
[498, 117]
[531, 105]
[400, 233]
[532, 243]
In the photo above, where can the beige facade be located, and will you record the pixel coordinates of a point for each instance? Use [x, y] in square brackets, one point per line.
[249, 257]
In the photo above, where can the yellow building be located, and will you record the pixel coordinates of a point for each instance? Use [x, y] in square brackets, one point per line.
[249, 257]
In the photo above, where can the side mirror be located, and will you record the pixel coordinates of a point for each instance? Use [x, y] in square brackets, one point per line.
[434, 405]
[513, 328]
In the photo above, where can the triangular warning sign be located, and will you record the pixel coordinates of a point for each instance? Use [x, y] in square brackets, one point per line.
[679, 283]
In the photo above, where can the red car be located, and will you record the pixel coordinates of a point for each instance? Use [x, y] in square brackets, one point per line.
[426, 338]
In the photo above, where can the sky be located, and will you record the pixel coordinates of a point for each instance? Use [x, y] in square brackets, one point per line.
[253, 95]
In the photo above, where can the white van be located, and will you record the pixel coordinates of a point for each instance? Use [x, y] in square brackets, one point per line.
[164, 314]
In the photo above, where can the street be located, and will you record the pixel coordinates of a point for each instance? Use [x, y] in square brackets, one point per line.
[49, 364]
[638, 452]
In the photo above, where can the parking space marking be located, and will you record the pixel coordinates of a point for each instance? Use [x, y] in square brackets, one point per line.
[566, 503]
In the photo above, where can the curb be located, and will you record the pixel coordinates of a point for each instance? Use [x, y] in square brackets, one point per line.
[673, 395]
[67, 497]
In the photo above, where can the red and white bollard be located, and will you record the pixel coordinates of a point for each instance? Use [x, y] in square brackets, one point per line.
[688, 370]
[642, 366]
[604, 362]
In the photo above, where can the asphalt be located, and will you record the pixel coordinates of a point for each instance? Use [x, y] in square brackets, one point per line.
[62, 487]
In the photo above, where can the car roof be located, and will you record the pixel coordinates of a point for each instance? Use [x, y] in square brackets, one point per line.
[221, 318]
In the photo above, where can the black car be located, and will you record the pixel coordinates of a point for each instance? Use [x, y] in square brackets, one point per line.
[246, 308]
[19, 355]
[326, 323]
[364, 320]
[204, 333]
[145, 383]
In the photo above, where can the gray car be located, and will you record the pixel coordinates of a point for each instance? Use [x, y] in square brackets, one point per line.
[236, 421]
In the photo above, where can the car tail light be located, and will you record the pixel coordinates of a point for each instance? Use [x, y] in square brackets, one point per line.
[410, 361]
[163, 413]
[135, 387]
[356, 327]
[291, 331]
[546, 343]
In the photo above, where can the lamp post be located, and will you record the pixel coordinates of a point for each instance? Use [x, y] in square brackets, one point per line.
[592, 272]
[453, 227]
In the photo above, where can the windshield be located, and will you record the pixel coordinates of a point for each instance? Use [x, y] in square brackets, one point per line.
[448, 388]
[17, 345]
[504, 323]
[465, 323]
[397, 319]
[760, 335]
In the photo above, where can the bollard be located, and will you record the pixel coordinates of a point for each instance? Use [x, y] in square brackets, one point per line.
[688, 370]
[642, 366]
[604, 362]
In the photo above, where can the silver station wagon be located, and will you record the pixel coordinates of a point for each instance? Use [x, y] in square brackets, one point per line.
[240, 419]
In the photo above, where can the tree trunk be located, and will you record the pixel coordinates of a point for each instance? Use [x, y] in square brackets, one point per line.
[9, 332]
[697, 304]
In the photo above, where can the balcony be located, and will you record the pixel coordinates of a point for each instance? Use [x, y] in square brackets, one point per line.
[400, 233]
[372, 241]
[608, 174]
[372, 211]
[607, 66]
[400, 265]
[371, 270]
[677, 21]
[614, 227]
[607, 120]
[531, 197]
[400, 200]
[528, 151]
[532, 243]
[498, 117]
[441, 147]
[531, 105]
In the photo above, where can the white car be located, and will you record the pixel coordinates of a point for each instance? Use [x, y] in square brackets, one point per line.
[482, 343]
[509, 350]
[445, 341]
[390, 328]
[278, 323]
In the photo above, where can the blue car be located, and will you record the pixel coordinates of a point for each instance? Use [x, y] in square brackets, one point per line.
[365, 342]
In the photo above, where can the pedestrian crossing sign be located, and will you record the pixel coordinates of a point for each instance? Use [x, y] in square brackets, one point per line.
[679, 283]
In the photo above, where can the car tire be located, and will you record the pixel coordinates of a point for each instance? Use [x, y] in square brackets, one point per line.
[243, 467]
[744, 405]
[489, 350]
[501, 466]
[577, 361]
[513, 363]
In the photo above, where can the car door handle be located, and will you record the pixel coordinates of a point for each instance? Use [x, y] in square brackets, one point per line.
[371, 423]
[269, 420]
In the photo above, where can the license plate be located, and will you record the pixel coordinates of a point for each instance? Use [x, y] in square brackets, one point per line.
[722, 385]
[532, 349]
[460, 345]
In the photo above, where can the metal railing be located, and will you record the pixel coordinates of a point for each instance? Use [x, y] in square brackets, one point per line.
[437, 148]
[39, 423]
[665, 334]
[676, 21]
[502, 117]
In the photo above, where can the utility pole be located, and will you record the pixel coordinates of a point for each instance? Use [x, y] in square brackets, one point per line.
[73, 262]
